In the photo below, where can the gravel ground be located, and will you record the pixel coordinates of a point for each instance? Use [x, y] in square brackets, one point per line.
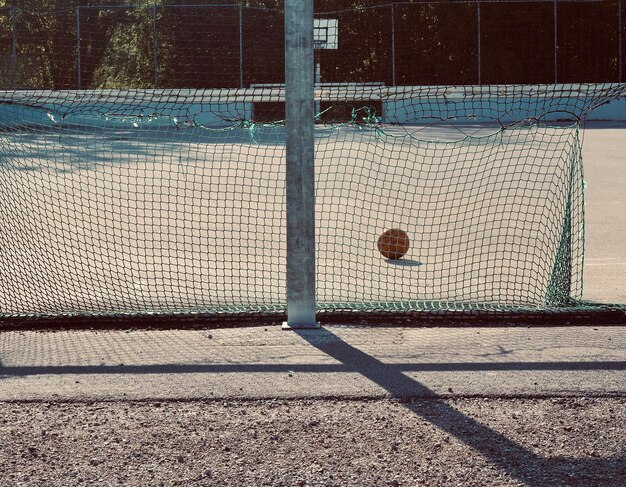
[464, 441]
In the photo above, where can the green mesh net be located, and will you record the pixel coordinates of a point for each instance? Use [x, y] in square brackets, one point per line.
[170, 203]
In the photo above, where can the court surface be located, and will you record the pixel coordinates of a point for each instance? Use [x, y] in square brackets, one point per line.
[604, 154]
[125, 220]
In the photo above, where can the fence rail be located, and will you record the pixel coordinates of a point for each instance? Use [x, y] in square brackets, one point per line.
[236, 45]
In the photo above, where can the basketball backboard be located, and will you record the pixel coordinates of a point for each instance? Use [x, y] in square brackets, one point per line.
[326, 33]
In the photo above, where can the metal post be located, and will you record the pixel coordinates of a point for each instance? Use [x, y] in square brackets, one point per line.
[478, 43]
[78, 67]
[240, 46]
[317, 80]
[620, 60]
[393, 45]
[300, 173]
[556, 44]
[14, 47]
[155, 59]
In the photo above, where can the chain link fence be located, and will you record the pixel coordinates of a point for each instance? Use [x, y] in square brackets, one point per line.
[237, 45]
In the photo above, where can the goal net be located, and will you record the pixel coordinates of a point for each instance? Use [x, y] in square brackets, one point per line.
[172, 202]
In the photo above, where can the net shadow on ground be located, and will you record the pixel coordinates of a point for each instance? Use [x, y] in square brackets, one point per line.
[519, 462]
[271, 350]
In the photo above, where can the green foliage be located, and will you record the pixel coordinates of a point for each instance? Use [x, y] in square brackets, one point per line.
[127, 59]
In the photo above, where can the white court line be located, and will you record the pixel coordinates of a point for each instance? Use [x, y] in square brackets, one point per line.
[606, 264]
[601, 258]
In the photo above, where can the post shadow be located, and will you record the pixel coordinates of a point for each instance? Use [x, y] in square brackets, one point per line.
[524, 465]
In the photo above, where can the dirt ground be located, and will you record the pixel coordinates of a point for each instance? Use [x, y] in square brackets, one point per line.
[576, 441]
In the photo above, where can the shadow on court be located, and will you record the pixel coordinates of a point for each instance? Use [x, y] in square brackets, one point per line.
[521, 463]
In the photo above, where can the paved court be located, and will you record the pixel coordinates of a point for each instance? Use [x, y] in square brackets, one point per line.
[124, 220]
[335, 362]
[604, 155]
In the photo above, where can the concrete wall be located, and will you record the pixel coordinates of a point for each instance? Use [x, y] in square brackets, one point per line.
[133, 115]
[614, 111]
[412, 111]
[118, 109]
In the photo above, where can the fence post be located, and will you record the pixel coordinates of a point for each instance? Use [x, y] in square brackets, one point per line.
[620, 40]
[478, 43]
[393, 45]
[155, 59]
[240, 45]
[300, 172]
[78, 67]
[556, 43]
[14, 47]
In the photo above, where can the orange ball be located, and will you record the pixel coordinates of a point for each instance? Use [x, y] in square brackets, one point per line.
[393, 243]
